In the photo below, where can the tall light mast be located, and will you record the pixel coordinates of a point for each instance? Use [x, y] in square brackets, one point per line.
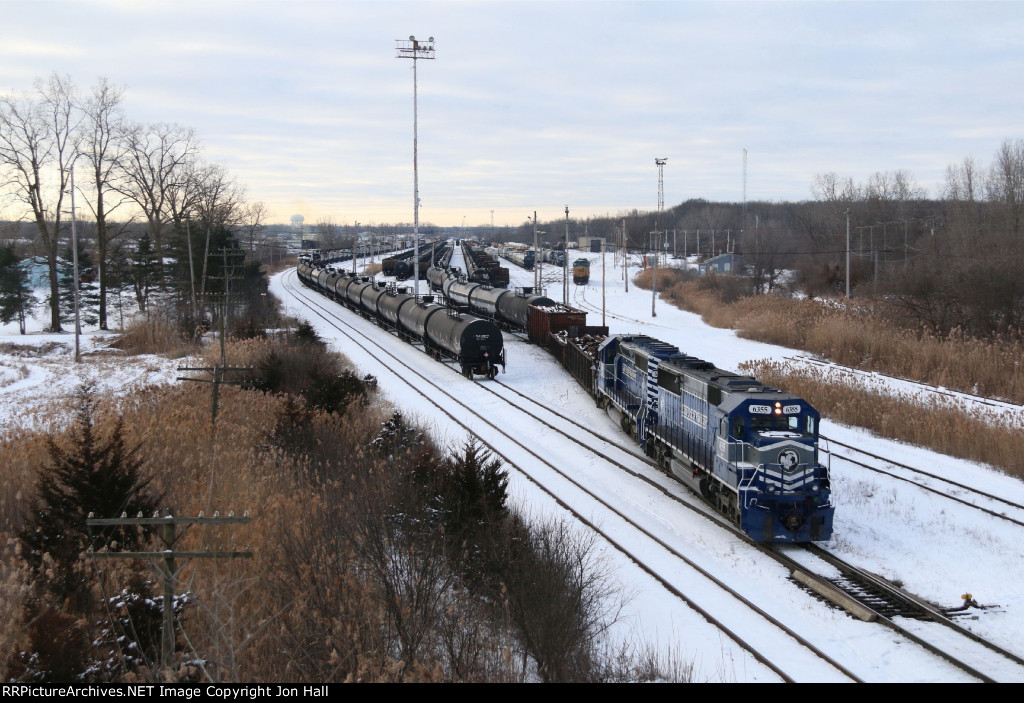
[415, 49]
[660, 163]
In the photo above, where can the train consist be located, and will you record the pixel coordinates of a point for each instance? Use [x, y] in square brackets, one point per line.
[474, 343]
[403, 266]
[518, 254]
[510, 308]
[483, 267]
[750, 450]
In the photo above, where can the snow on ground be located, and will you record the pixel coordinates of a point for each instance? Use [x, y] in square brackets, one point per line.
[937, 548]
[38, 371]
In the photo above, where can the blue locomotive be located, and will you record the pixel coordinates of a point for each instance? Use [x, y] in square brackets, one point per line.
[750, 450]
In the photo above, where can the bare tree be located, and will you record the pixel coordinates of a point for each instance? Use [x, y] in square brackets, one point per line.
[328, 234]
[830, 188]
[154, 165]
[1006, 183]
[102, 150]
[216, 199]
[38, 145]
[962, 193]
[253, 221]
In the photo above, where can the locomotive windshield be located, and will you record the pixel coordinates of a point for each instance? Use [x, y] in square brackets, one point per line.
[775, 423]
[765, 421]
[783, 425]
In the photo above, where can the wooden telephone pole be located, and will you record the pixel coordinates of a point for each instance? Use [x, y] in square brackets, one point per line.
[226, 301]
[166, 558]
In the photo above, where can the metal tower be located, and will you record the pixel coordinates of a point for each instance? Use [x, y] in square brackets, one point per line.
[414, 49]
[660, 163]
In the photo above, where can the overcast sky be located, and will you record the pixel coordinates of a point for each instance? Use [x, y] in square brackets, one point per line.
[538, 105]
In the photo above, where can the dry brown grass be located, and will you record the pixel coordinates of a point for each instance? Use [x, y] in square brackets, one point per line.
[944, 428]
[855, 336]
[156, 334]
[334, 590]
[279, 265]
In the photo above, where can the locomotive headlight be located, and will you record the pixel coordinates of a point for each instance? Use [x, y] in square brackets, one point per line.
[778, 408]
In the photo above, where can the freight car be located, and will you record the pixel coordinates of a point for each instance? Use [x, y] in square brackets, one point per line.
[474, 343]
[509, 307]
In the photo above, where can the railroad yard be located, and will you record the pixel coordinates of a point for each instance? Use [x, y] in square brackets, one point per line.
[699, 590]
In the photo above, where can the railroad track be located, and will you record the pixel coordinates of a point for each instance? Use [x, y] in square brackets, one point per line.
[564, 488]
[949, 394]
[580, 299]
[871, 597]
[890, 605]
[879, 600]
[929, 481]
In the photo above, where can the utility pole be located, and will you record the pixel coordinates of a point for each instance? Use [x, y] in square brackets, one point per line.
[192, 270]
[565, 261]
[603, 277]
[625, 256]
[536, 257]
[218, 371]
[415, 50]
[355, 243]
[77, 281]
[847, 253]
[167, 556]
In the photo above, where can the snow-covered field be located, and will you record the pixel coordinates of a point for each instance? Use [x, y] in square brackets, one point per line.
[937, 548]
[38, 372]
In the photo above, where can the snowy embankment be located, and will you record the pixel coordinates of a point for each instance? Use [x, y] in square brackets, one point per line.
[39, 376]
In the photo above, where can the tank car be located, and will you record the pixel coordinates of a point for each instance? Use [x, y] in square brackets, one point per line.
[509, 307]
[474, 343]
[750, 450]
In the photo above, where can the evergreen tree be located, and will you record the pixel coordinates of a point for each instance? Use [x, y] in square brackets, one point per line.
[88, 293]
[479, 491]
[144, 271]
[16, 299]
[89, 475]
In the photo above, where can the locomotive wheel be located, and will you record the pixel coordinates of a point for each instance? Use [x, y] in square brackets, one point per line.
[627, 426]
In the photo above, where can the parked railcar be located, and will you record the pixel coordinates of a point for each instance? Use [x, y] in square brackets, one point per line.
[511, 308]
[474, 343]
